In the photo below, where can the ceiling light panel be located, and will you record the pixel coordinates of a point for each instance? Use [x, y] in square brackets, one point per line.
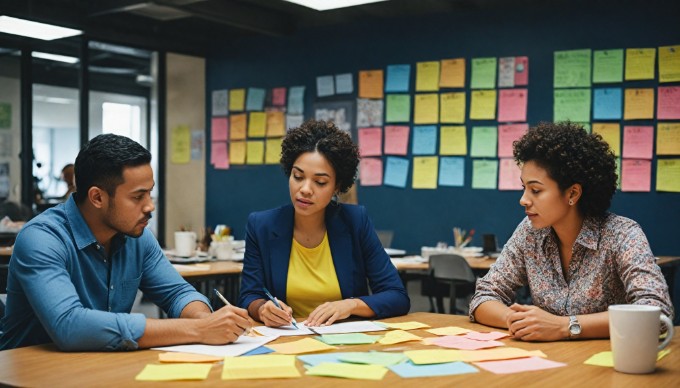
[14, 26]
[325, 5]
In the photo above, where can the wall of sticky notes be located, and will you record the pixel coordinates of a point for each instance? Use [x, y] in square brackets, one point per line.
[435, 101]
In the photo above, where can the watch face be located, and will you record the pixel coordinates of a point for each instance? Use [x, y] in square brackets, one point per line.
[575, 329]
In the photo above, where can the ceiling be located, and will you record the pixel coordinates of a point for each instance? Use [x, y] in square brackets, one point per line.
[197, 26]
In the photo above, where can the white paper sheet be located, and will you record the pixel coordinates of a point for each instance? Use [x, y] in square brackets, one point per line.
[243, 345]
[336, 328]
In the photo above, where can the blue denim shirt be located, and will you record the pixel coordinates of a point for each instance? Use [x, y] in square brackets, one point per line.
[62, 287]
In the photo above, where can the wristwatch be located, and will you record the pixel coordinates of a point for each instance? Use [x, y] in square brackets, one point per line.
[574, 327]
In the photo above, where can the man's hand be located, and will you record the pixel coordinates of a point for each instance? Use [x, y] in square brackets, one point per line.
[224, 325]
[530, 323]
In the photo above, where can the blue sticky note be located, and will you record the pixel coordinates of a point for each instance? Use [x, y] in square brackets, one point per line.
[344, 83]
[451, 171]
[396, 172]
[325, 86]
[398, 77]
[258, 350]
[316, 359]
[607, 104]
[296, 95]
[408, 369]
[255, 100]
[424, 140]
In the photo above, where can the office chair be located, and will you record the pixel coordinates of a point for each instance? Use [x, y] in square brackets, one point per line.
[454, 271]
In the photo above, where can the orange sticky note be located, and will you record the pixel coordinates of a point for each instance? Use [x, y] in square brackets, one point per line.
[371, 84]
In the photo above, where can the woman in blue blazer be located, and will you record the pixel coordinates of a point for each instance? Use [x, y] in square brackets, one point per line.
[316, 256]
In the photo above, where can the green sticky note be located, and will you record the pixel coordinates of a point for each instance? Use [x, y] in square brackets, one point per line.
[572, 104]
[398, 108]
[373, 358]
[484, 174]
[5, 115]
[607, 66]
[484, 142]
[483, 73]
[572, 68]
[348, 339]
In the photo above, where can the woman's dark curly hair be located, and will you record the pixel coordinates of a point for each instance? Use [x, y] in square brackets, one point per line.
[572, 155]
[324, 137]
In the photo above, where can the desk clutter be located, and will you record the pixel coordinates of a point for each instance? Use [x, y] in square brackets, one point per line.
[441, 351]
[219, 250]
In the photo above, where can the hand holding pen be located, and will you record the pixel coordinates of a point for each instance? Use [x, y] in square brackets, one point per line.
[237, 314]
[276, 313]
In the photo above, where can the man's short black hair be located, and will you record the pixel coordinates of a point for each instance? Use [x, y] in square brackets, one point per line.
[101, 161]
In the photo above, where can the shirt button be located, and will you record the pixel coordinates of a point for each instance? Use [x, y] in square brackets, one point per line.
[98, 247]
[112, 287]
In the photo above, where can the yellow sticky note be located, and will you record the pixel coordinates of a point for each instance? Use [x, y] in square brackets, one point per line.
[257, 124]
[237, 152]
[273, 151]
[452, 107]
[276, 123]
[607, 359]
[254, 151]
[427, 76]
[371, 84]
[412, 325]
[425, 171]
[453, 140]
[668, 175]
[237, 125]
[611, 133]
[398, 336]
[503, 353]
[266, 366]
[348, 371]
[187, 357]
[237, 100]
[640, 63]
[668, 139]
[307, 345]
[483, 105]
[449, 330]
[426, 108]
[170, 372]
[433, 356]
[452, 74]
[180, 141]
[639, 104]
[669, 63]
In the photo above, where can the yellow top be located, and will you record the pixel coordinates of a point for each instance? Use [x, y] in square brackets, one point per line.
[311, 278]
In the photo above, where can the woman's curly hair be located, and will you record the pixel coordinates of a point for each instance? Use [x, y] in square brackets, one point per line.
[572, 155]
[324, 137]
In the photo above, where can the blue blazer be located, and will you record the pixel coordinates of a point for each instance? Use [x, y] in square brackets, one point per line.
[357, 253]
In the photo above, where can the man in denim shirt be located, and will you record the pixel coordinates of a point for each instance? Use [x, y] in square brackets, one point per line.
[76, 268]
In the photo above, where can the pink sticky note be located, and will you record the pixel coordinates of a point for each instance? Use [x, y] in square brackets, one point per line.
[396, 139]
[494, 335]
[518, 365]
[636, 175]
[668, 107]
[638, 142]
[461, 342]
[512, 105]
[279, 96]
[370, 141]
[219, 156]
[506, 135]
[371, 171]
[220, 129]
[509, 175]
[521, 71]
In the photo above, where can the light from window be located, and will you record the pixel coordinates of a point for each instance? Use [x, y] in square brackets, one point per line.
[122, 119]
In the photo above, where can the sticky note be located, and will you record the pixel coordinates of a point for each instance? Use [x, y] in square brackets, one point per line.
[373, 358]
[306, 345]
[370, 141]
[427, 76]
[507, 134]
[398, 336]
[484, 174]
[172, 372]
[668, 139]
[669, 63]
[254, 152]
[460, 342]
[237, 100]
[608, 66]
[344, 83]
[279, 96]
[607, 359]
[611, 133]
[219, 156]
[348, 371]
[572, 68]
[398, 108]
[268, 366]
[483, 73]
[238, 126]
[219, 129]
[424, 140]
[257, 124]
[396, 172]
[180, 141]
[220, 102]
[451, 171]
[426, 108]
[640, 63]
[509, 175]
[425, 172]
[512, 105]
[668, 107]
[273, 151]
[452, 73]
[325, 86]
[638, 141]
[411, 325]
[410, 370]
[636, 175]
[433, 356]
[370, 171]
[494, 335]
[484, 141]
[452, 107]
[607, 104]
[398, 78]
[501, 353]
[449, 330]
[349, 339]
[255, 99]
[571, 104]
[453, 140]
[506, 72]
[369, 113]
[519, 365]
[396, 139]
[483, 105]
[639, 104]
[371, 84]
[296, 95]
[276, 123]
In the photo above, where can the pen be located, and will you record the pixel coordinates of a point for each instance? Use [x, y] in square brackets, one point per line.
[222, 298]
[276, 303]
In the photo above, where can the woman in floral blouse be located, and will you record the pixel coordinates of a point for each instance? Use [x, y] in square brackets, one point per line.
[576, 257]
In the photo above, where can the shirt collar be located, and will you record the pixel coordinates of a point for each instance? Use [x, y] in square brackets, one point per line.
[588, 237]
[81, 231]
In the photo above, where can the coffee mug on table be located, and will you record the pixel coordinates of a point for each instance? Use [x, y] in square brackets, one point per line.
[634, 333]
[185, 244]
[222, 250]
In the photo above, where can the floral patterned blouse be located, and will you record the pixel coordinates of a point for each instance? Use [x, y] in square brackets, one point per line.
[611, 263]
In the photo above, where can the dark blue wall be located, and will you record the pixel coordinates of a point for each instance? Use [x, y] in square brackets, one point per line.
[423, 217]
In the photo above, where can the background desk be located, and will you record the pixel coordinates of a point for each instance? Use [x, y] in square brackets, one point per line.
[222, 275]
[45, 366]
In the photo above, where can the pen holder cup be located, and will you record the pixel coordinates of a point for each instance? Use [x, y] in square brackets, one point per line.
[222, 250]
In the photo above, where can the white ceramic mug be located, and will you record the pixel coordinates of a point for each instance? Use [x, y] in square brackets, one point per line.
[222, 250]
[634, 331]
[185, 244]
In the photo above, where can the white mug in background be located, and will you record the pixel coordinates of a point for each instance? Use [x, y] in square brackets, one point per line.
[222, 250]
[634, 333]
[185, 244]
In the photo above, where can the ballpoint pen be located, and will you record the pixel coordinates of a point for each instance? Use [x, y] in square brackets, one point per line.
[226, 302]
[276, 303]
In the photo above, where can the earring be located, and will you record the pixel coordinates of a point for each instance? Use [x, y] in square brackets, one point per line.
[571, 202]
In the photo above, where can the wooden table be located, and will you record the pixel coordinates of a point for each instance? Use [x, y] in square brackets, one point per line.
[476, 263]
[45, 366]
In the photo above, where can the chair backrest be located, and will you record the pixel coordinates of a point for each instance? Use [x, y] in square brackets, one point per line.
[385, 237]
[451, 267]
